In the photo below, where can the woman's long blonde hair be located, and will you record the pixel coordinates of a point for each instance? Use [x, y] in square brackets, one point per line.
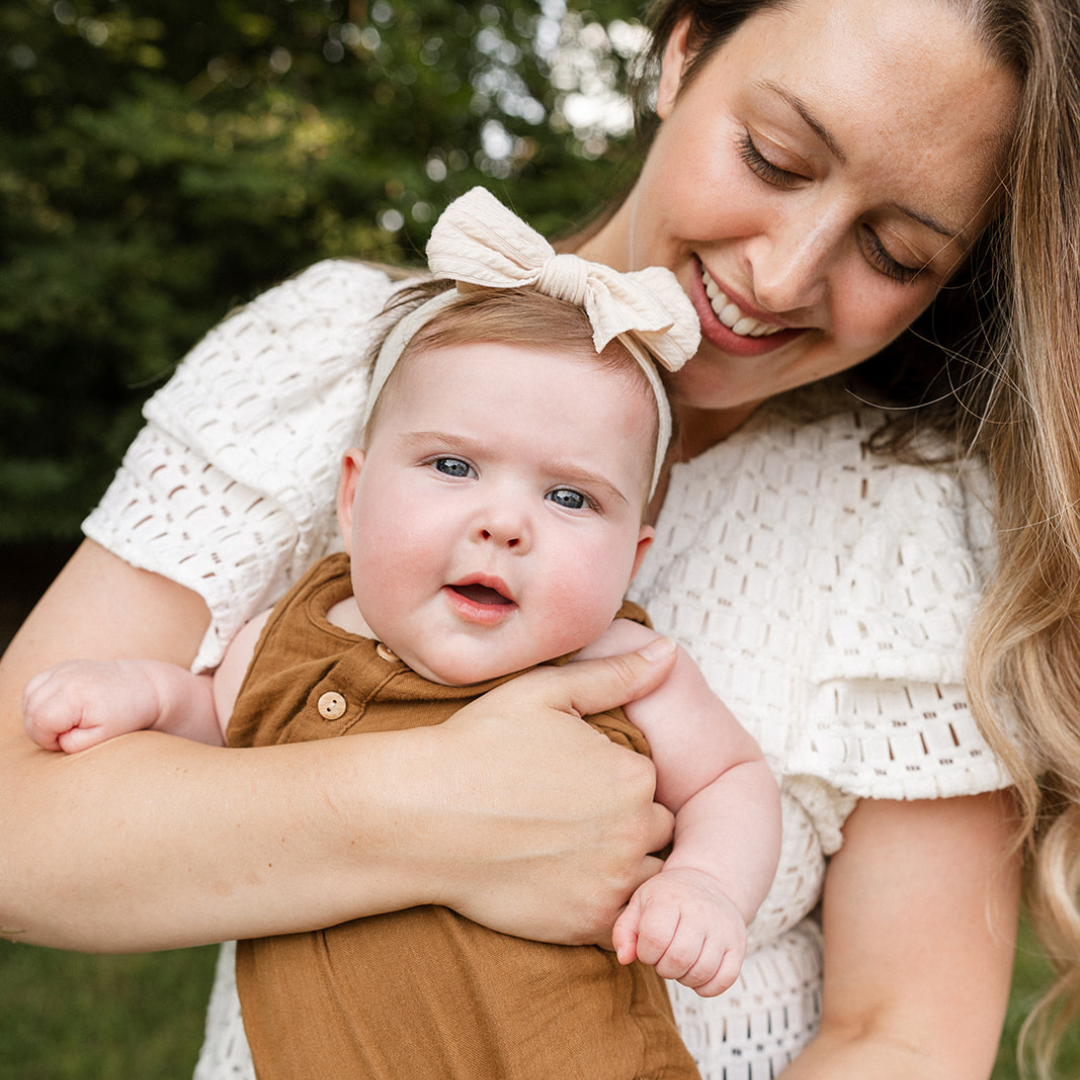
[1024, 668]
[995, 363]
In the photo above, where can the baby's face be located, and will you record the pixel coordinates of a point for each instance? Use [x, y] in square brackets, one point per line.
[494, 520]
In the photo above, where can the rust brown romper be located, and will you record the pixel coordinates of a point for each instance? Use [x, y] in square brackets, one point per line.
[422, 993]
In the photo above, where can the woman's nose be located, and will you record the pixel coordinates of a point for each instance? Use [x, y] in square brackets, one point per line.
[791, 260]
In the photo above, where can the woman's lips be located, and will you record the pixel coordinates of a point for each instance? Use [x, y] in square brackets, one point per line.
[731, 329]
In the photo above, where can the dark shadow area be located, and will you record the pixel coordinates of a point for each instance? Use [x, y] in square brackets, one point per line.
[26, 570]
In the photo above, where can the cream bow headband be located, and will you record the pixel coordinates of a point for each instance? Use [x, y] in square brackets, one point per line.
[479, 242]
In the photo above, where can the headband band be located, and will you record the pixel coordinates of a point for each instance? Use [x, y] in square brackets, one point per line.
[478, 242]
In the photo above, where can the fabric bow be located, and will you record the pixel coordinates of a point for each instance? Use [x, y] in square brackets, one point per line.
[479, 241]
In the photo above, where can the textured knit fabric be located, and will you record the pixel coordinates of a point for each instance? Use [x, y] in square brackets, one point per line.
[422, 992]
[825, 592]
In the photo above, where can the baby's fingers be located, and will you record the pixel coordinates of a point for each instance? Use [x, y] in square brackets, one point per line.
[46, 713]
[716, 968]
[660, 943]
[81, 738]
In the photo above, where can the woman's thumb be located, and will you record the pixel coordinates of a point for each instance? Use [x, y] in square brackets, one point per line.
[593, 686]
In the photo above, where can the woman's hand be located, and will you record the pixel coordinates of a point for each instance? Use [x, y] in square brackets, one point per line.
[551, 822]
[517, 813]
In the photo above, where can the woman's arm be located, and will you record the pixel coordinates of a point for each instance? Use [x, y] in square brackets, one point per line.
[920, 912]
[151, 841]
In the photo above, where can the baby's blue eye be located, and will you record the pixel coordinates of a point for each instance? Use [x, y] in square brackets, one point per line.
[568, 498]
[452, 466]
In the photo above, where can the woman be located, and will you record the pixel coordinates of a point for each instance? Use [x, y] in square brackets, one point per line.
[822, 174]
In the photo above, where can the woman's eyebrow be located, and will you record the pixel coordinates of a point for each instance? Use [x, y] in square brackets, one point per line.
[811, 121]
[823, 133]
[930, 222]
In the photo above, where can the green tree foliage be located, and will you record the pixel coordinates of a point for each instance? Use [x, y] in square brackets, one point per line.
[162, 161]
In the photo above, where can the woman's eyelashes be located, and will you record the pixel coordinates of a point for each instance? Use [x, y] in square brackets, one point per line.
[876, 252]
[884, 262]
[757, 163]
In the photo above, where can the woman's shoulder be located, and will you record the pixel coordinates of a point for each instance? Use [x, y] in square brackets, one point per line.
[343, 293]
[884, 559]
[828, 589]
[332, 297]
[299, 345]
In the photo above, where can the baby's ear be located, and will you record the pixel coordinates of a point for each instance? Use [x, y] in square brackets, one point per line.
[352, 462]
[645, 539]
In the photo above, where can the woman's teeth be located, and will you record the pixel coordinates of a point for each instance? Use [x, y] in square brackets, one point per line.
[731, 316]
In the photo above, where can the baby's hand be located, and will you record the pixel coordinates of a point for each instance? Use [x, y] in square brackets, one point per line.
[80, 703]
[682, 923]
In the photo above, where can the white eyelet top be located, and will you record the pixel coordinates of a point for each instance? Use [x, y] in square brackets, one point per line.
[824, 591]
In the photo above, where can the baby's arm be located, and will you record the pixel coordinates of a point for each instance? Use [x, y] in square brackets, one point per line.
[80, 703]
[690, 920]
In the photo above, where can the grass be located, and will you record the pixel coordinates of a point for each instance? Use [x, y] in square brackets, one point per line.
[69, 1016]
[1031, 975]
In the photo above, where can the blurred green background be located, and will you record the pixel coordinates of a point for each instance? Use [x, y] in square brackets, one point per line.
[162, 161]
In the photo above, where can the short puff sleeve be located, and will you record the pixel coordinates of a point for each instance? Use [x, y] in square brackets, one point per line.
[229, 489]
[886, 712]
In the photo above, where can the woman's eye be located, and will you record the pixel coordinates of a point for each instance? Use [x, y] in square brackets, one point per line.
[876, 251]
[568, 498]
[763, 167]
[882, 261]
[452, 466]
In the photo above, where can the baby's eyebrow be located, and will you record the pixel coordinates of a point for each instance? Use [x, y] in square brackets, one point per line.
[568, 472]
[446, 439]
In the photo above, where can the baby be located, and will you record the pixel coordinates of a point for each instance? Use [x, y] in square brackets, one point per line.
[492, 520]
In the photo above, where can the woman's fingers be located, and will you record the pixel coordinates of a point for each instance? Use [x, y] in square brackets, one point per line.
[591, 686]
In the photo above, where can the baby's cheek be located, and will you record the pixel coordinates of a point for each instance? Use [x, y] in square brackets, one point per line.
[588, 602]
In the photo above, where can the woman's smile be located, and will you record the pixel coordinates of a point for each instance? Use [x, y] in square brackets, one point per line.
[733, 316]
[731, 324]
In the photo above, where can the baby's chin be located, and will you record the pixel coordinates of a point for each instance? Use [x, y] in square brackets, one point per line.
[460, 672]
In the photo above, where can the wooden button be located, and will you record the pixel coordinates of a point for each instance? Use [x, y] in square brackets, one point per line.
[331, 706]
[386, 654]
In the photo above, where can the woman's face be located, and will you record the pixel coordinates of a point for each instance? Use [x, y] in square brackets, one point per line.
[812, 188]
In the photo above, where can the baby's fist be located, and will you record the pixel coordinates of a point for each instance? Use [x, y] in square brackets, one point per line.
[80, 703]
[682, 923]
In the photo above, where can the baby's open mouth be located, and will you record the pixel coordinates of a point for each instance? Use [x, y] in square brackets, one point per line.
[481, 594]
